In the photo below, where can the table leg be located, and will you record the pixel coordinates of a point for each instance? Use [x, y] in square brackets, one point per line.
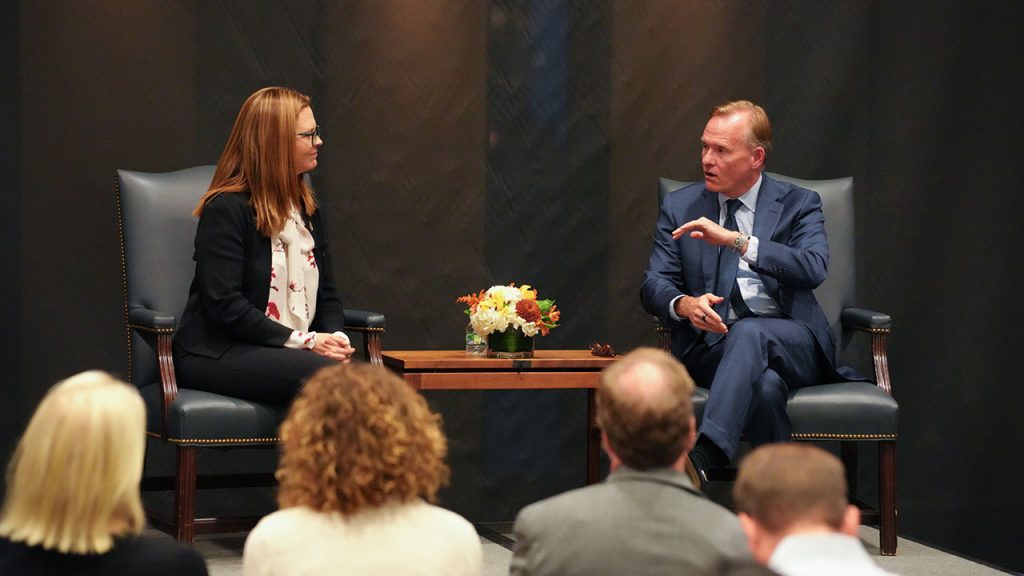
[593, 440]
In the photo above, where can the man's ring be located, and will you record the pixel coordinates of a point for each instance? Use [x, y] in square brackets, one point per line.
[704, 318]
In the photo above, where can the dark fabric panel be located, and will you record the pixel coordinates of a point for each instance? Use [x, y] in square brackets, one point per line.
[14, 404]
[401, 176]
[111, 94]
[548, 94]
[946, 101]
[244, 46]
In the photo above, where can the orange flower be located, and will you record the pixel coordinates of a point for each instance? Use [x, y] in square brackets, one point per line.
[472, 300]
[554, 314]
[528, 310]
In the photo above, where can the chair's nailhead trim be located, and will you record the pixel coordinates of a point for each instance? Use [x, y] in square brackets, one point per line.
[153, 330]
[223, 440]
[847, 436]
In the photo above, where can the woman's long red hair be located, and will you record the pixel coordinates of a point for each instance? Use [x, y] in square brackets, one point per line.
[260, 158]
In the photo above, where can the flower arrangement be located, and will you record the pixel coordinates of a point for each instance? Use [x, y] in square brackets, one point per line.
[495, 309]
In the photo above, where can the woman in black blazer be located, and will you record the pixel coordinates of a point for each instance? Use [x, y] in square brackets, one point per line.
[263, 313]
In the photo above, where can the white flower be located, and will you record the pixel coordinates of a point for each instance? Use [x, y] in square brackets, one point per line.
[508, 293]
[529, 328]
[487, 321]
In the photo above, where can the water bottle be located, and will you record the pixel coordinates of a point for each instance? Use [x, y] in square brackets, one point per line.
[476, 345]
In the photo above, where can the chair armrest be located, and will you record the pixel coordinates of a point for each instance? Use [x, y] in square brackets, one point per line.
[878, 325]
[150, 320]
[865, 320]
[157, 328]
[359, 320]
[371, 325]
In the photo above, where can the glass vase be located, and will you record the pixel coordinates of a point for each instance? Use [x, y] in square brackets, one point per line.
[511, 343]
[475, 344]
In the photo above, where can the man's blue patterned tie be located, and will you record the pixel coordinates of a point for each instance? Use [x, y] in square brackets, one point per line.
[725, 285]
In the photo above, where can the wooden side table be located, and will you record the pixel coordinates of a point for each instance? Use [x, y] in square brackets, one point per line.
[548, 369]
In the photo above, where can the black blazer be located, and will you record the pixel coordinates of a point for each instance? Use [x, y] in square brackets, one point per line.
[229, 292]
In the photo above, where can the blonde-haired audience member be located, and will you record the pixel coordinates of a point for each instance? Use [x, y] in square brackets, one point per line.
[72, 504]
[362, 456]
[792, 504]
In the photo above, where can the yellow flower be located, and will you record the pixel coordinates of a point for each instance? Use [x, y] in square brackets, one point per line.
[527, 292]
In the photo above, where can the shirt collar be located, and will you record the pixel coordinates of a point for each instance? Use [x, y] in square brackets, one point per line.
[749, 198]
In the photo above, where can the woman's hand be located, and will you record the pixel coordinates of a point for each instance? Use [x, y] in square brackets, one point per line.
[334, 347]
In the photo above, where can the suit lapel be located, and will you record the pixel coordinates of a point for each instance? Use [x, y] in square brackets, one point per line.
[708, 253]
[769, 209]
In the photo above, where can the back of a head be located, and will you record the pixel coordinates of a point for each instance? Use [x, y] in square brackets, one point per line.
[358, 437]
[785, 485]
[73, 481]
[645, 406]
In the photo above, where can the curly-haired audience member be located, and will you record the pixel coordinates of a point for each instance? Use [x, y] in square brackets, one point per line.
[72, 504]
[792, 503]
[362, 455]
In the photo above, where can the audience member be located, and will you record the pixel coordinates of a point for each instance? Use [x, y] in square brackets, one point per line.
[791, 500]
[263, 313]
[361, 451]
[73, 504]
[646, 517]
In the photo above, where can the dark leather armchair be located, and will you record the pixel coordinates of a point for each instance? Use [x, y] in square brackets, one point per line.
[157, 230]
[851, 413]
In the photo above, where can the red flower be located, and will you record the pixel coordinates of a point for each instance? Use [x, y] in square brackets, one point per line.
[272, 311]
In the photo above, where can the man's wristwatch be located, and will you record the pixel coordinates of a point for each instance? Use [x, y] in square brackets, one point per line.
[739, 241]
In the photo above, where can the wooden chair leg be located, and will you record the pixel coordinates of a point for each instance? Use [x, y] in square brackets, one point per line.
[372, 347]
[848, 454]
[887, 496]
[185, 494]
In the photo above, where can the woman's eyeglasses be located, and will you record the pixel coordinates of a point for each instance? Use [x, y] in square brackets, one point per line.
[311, 134]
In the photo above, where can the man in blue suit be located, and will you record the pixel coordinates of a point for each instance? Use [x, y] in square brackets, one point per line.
[732, 273]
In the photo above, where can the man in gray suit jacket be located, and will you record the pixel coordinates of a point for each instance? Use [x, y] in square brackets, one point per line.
[646, 517]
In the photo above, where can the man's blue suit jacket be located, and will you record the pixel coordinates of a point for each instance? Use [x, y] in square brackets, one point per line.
[792, 257]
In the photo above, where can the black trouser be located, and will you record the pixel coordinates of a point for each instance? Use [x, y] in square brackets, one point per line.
[261, 373]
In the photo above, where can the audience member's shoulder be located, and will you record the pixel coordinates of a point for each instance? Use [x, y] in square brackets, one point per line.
[443, 516]
[569, 500]
[285, 522]
[134, 555]
[161, 556]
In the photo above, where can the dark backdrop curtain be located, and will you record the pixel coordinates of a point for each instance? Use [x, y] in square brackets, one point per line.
[471, 143]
